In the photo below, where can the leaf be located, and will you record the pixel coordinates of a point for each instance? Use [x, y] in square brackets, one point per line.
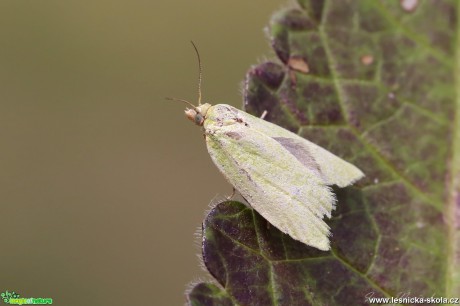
[373, 82]
[209, 294]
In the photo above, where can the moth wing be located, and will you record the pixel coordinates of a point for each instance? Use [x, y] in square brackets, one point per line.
[289, 195]
[331, 168]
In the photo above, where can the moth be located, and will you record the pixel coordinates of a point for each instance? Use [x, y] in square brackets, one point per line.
[283, 176]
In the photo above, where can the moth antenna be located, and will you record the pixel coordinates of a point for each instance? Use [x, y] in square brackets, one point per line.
[199, 73]
[181, 100]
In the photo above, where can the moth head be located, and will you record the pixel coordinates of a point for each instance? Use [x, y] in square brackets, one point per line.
[197, 114]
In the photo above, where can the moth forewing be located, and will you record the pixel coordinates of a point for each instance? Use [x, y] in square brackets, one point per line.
[291, 196]
[333, 169]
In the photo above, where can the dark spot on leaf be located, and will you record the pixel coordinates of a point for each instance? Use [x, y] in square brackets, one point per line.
[296, 20]
[313, 8]
[268, 73]
[322, 106]
[371, 19]
[367, 104]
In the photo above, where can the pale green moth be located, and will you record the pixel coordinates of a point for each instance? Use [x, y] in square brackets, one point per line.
[283, 176]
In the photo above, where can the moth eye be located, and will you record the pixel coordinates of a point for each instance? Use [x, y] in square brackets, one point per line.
[199, 119]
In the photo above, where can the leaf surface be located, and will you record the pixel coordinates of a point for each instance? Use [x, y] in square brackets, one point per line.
[373, 82]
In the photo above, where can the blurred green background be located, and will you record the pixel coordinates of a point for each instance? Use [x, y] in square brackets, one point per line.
[103, 183]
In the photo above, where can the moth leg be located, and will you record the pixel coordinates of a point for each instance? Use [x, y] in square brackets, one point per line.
[234, 192]
[232, 195]
[264, 114]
